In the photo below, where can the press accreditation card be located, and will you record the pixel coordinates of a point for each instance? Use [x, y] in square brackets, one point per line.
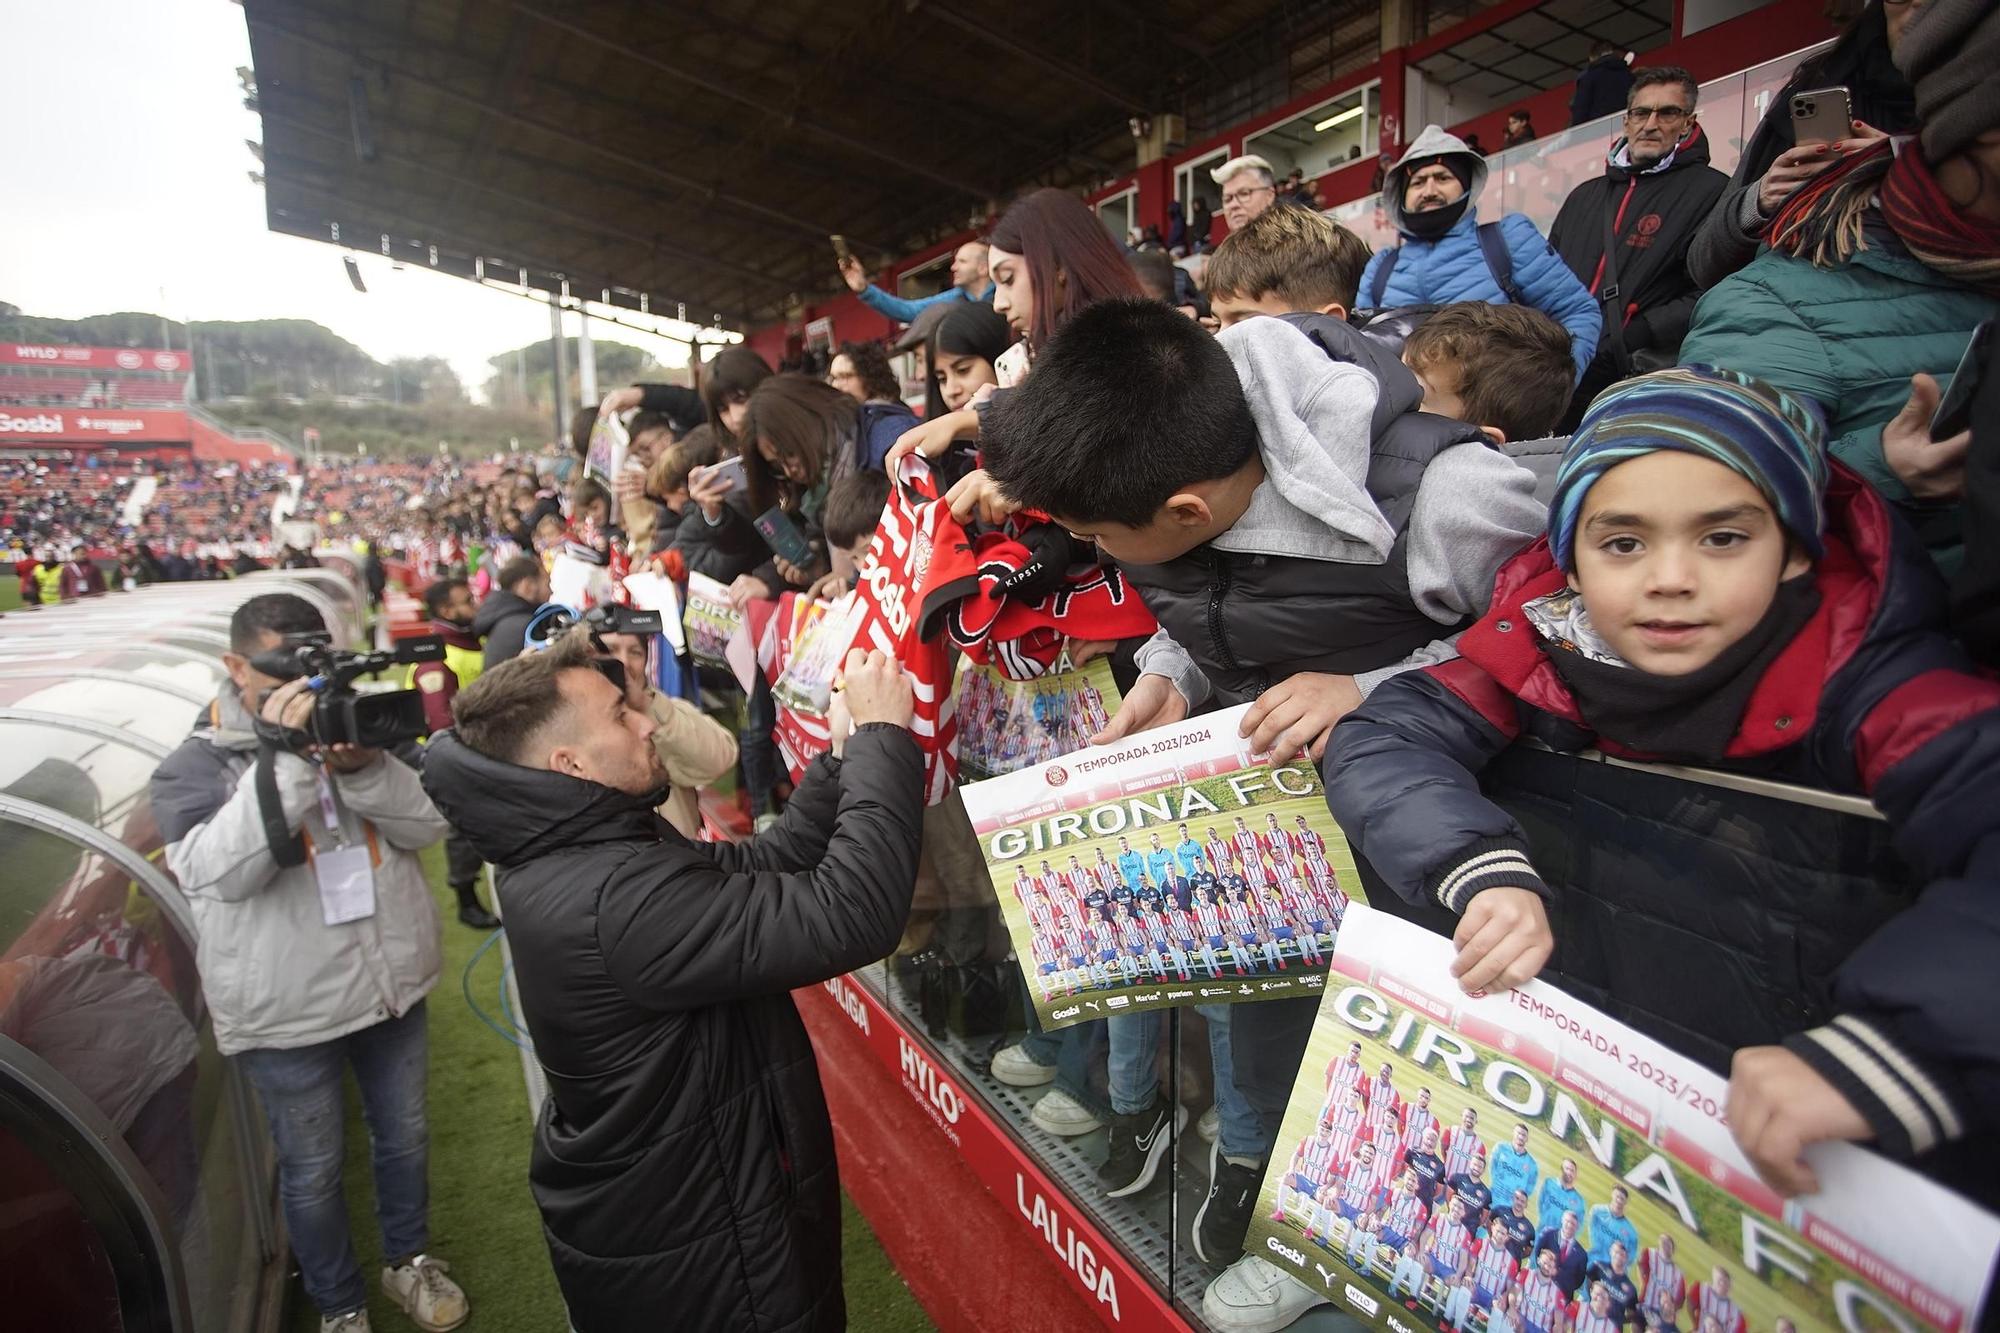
[345, 871]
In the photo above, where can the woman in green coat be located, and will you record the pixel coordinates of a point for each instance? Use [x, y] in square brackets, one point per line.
[1877, 273]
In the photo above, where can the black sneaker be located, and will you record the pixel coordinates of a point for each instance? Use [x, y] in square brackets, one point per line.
[1224, 1216]
[1138, 1142]
[470, 913]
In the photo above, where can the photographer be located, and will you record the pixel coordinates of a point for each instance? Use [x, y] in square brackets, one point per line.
[684, 1164]
[313, 966]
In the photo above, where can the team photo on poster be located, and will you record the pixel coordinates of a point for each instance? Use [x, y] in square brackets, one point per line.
[1523, 1164]
[1006, 724]
[1172, 868]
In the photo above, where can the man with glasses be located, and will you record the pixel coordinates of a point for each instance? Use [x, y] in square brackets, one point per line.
[1248, 188]
[1431, 197]
[1656, 190]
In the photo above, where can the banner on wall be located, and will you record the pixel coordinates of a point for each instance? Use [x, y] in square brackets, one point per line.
[1522, 1159]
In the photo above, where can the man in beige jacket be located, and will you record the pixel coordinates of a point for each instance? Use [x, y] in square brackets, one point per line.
[695, 748]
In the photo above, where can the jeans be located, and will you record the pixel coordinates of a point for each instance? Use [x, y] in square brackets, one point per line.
[1134, 1070]
[1268, 1047]
[301, 1092]
[1070, 1050]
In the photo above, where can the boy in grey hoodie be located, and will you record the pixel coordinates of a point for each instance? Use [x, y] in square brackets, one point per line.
[1302, 532]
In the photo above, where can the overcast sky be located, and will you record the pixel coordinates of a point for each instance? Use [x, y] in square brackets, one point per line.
[126, 174]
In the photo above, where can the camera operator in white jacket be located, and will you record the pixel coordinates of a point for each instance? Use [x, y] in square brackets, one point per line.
[314, 966]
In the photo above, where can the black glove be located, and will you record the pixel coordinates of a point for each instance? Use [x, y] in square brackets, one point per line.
[1051, 551]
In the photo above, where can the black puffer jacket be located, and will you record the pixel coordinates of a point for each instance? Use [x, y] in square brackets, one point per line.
[1654, 214]
[684, 1161]
[502, 621]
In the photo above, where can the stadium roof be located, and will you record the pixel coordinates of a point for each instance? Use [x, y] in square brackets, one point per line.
[701, 152]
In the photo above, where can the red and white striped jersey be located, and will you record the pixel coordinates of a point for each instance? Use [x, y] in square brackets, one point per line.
[1104, 936]
[1348, 1121]
[1182, 923]
[1662, 1278]
[1132, 935]
[1024, 886]
[1313, 846]
[1041, 917]
[1584, 1320]
[1277, 844]
[1220, 854]
[1541, 1300]
[1358, 1190]
[1106, 875]
[1463, 1153]
[1287, 871]
[1493, 1266]
[1417, 1122]
[1451, 1243]
[1052, 883]
[1074, 942]
[1299, 905]
[1249, 847]
[1405, 1215]
[1209, 917]
[1727, 1314]
[1384, 1112]
[1316, 1156]
[1343, 1073]
[1157, 927]
[1242, 921]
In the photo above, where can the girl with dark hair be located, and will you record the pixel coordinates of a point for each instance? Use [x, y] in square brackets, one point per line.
[1773, 165]
[862, 372]
[1049, 257]
[726, 382]
[961, 353]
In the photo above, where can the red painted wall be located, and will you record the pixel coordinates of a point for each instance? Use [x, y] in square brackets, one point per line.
[1749, 39]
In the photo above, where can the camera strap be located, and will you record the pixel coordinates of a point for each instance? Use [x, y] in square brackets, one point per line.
[288, 849]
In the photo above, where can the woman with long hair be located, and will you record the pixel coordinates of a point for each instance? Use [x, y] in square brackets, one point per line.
[1878, 271]
[1774, 163]
[1049, 257]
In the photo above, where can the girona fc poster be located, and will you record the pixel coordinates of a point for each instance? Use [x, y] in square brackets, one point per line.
[1523, 1161]
[1173, 867]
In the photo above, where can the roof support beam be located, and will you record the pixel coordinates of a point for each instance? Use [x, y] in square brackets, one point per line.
[994, 37]
[758, 104]
[815, 229]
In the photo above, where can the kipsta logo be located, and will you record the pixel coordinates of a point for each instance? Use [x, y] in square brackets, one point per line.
[1055, 775]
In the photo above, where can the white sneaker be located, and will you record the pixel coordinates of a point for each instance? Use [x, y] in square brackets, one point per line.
[421, 1290]
[354, 1321]
[1251, 1296]
[1209, 1125]
[1059, 1113]
[1013, 1067]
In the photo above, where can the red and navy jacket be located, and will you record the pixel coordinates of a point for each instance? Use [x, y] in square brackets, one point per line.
[1871, 698]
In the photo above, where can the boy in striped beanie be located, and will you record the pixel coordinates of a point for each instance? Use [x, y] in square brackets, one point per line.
[1712, 590]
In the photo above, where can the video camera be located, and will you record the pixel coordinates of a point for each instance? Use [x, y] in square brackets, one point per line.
[341, 714]
[553, 620]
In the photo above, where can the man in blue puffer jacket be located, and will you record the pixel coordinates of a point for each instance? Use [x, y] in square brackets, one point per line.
[1432, 198]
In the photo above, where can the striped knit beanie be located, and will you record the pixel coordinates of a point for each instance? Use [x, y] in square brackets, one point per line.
[1777, 441]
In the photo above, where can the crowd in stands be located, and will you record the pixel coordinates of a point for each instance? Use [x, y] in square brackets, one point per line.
[1671, 481]
[89, 391]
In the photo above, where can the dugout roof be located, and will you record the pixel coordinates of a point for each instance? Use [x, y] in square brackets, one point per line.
[700, 152]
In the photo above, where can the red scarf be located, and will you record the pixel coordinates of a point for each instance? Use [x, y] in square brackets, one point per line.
[1822, 222]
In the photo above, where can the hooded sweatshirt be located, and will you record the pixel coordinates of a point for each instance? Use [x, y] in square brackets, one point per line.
[1453, 267]
[1373, 537]
[502, 621]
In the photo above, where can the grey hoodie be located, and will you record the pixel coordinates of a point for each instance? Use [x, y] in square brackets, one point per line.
[1433, 142]
[1317, 421]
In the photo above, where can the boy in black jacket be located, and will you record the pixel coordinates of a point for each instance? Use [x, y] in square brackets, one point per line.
[1302, 533]
[1707, 594]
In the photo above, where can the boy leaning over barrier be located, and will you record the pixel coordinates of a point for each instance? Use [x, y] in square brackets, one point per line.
[1302, 533]
[1709, 594]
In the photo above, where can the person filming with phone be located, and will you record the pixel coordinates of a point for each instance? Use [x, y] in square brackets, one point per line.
[684, 1163]
[1877, 274]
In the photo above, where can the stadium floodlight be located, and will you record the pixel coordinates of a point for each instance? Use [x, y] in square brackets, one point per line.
[354, 273]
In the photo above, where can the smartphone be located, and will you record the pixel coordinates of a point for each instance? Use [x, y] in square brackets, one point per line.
[840, 250]
[729, 471]
[1822, 115]
[784, 538]
[1954, 413]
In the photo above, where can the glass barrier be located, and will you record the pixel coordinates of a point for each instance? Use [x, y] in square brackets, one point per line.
[954, 986]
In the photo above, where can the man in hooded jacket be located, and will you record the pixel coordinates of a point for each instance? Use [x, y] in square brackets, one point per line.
[501, 622]
[683, 1163]
[1431, 197]
[1656, 190]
